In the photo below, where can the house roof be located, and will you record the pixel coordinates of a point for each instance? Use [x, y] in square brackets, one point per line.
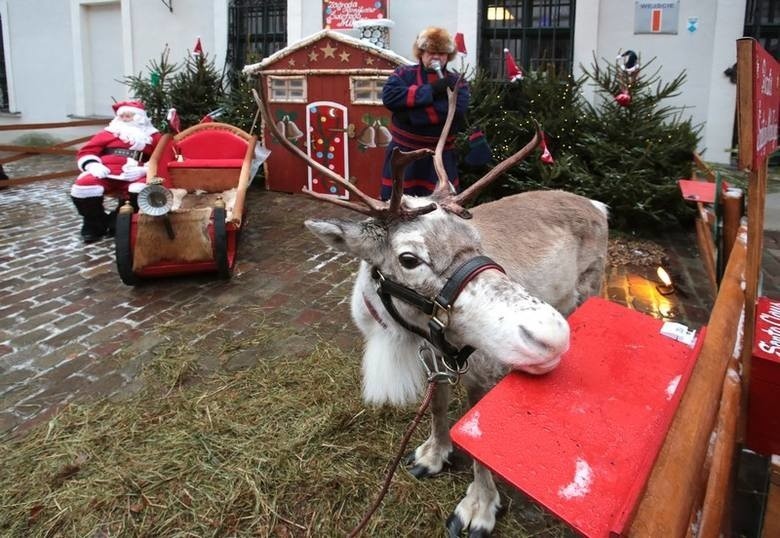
[330, 34]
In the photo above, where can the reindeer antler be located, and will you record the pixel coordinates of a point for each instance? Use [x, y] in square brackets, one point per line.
[471, 192]
[443, 193]
[367, 205]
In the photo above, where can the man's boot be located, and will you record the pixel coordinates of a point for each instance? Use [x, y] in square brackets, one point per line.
[95, 220]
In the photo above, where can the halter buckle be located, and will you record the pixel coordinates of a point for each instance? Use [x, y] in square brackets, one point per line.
[440, 308]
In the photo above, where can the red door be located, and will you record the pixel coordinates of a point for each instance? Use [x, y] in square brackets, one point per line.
[326, 131]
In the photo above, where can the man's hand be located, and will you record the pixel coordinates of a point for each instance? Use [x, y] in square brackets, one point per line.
[440, 87]
[133, 172]
[99, 170]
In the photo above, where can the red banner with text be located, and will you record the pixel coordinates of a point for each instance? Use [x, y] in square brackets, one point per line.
[342, 14]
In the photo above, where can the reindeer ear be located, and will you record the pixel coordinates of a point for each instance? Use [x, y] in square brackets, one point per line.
[330, 232]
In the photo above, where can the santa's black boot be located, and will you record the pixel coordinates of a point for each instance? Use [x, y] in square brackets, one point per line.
[95, 220]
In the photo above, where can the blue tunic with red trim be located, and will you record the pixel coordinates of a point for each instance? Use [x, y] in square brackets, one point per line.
[417, 121]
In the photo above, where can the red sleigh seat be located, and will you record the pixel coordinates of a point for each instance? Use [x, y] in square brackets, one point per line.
[201, 164]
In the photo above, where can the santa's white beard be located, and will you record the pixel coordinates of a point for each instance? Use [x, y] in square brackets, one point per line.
[137, 133]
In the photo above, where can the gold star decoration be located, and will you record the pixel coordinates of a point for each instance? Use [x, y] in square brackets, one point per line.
[344, 56]
[369, 60]
[291, 61]
[313, 56]
[328, 51]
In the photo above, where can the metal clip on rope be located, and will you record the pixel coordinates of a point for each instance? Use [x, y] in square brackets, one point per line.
[437, 368]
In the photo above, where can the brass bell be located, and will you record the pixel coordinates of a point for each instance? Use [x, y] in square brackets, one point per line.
[383, 136]
[368, 137]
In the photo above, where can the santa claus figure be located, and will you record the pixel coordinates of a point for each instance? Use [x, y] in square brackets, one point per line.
[113, 161]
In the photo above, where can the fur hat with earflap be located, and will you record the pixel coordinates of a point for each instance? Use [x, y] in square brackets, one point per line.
[434, 39]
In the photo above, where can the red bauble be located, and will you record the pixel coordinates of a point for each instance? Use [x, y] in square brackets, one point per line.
[623, 98]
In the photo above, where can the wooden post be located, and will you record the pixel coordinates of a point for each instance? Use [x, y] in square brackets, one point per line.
[719, 483]
[732, 213]
[771, 527]
[758, 96]
[675, 483]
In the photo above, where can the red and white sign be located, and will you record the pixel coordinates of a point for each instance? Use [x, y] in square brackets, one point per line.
[342, 14]
[766, 99]
[766, 343]
[656, 17]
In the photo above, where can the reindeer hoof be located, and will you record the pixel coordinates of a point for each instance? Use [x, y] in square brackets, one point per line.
[420, 470]
[454, 526]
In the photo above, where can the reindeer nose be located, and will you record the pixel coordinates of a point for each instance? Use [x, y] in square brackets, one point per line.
[547, 335]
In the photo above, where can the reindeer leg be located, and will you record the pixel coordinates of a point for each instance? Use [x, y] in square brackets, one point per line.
[430, 458]
[477, 510]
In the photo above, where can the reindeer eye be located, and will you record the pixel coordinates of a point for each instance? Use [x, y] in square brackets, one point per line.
[409, 260]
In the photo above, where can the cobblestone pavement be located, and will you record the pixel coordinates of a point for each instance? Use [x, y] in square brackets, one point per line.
[69, 328]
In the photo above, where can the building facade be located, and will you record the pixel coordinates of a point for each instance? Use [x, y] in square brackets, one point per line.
[64, 58]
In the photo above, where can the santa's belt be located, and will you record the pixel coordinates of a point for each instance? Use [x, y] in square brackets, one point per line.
[129, 153]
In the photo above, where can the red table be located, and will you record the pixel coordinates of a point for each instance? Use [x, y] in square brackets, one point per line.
[582, 439]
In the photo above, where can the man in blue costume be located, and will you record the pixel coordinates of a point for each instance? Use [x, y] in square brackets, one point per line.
[417, 97]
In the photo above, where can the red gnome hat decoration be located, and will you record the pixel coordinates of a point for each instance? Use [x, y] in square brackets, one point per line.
[460, 43]
[513, 72]
[546, 156]
[197, 50]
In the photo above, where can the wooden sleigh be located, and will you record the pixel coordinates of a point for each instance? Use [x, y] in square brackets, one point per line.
[206, 170]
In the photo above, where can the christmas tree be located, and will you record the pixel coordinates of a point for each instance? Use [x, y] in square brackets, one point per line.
[634, 148]
[627, 150]
[238, 103]
[506, 112]
[154, 90]
[196, 90]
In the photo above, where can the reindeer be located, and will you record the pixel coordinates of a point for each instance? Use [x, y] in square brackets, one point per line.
[473, 293]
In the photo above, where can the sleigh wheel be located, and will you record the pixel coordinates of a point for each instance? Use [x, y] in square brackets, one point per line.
[124, 256]
[221, 243]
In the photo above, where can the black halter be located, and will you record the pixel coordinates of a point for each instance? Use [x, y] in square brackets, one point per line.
[387, 289]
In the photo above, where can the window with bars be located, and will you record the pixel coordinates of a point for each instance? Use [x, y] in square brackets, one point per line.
[291, 89]
[538, 33]
[366, 90]
[256, 29]
[762, 21]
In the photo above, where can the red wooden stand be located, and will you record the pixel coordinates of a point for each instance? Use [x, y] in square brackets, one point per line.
[582, 440]
[763, 412]
[699, 191]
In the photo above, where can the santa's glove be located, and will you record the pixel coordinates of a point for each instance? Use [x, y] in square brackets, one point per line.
[132, 172]
[99, 170]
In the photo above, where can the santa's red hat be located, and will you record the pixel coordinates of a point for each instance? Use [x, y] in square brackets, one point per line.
[513, 72]
[128, 106]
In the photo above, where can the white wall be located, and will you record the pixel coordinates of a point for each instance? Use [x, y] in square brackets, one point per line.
[48, 71]
[54, 49]
[38, 59]
[304, 17]
[707, 94]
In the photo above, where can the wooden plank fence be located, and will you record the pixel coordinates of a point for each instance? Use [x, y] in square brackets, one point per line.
[19, 152]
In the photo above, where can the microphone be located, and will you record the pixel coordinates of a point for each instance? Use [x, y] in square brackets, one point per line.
[436, 66]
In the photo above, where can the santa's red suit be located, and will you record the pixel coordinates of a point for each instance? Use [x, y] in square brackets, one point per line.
[113, 161]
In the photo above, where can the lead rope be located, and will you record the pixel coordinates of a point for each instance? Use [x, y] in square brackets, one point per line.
[394, 464]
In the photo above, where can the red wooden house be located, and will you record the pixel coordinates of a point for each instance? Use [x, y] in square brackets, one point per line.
[325, 93]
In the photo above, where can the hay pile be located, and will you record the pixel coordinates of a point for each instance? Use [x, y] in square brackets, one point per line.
[283, 449]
